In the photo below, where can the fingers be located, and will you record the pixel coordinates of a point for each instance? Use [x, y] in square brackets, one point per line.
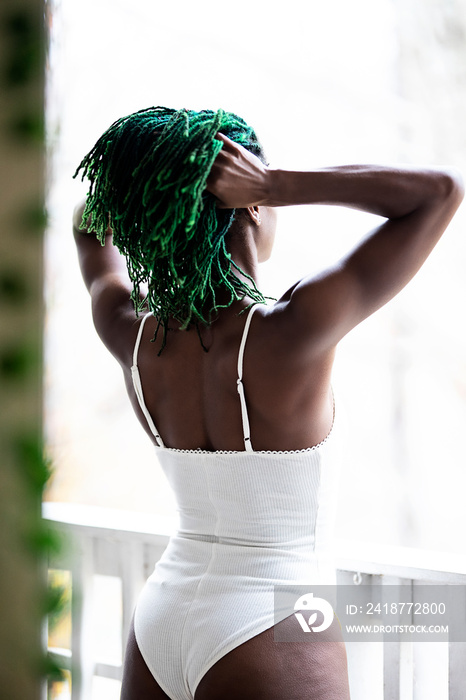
[221, 137]
[236, 177]
[228, 144]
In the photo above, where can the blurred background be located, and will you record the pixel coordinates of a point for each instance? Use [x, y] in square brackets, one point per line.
[371, 81]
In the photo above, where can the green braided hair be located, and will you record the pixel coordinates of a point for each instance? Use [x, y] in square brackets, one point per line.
[148, 173]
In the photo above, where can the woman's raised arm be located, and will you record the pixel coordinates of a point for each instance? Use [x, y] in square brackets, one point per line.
[417, 203]
[106, 278]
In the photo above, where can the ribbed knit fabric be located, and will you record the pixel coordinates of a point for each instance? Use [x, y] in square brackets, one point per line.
[248, 521]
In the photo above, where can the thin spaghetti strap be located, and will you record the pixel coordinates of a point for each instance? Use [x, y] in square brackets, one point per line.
[138, 385]
[138, 339]
[244, 410]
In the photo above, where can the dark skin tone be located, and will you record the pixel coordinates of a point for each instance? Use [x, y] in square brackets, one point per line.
[192, 395]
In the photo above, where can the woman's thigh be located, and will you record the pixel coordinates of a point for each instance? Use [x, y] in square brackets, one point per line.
[138, 682]
[262, 669]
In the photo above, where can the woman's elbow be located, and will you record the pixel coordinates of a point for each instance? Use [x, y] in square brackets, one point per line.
[450, 186]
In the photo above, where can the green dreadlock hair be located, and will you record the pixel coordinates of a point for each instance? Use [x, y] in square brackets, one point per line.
[148, 173]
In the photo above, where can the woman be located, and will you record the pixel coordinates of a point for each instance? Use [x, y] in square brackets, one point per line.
[242, 411]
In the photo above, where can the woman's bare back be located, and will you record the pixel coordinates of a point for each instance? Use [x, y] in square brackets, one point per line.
[192, 394]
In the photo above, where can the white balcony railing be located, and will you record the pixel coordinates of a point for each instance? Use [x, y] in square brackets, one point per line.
[125, 546]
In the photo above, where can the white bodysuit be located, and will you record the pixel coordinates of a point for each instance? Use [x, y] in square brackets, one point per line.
[248, 521]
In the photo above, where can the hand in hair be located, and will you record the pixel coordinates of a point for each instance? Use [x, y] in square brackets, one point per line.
[237, 178]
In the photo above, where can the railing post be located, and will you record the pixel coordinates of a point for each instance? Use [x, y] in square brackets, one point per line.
[391, 671]
[132, 581]
[397, 656]
[81, 616]
[431, 670]
[457, 671]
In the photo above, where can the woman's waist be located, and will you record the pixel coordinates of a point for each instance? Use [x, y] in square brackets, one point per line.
[191, 558]
[310, 528]
[258, 538]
